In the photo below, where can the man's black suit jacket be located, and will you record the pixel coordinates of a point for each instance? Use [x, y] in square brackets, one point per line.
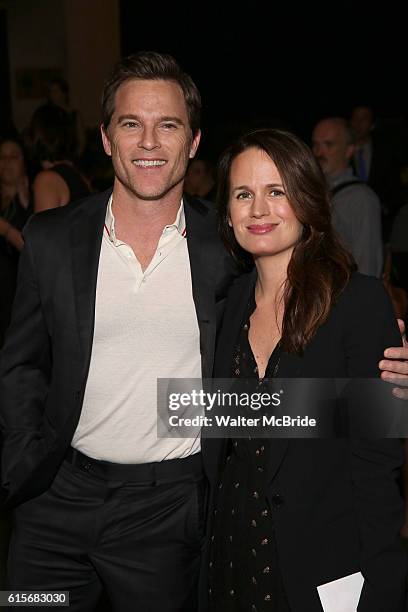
[336, 504]
[47, 352]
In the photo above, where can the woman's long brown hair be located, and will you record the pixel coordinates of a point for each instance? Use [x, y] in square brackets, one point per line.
[320, 267]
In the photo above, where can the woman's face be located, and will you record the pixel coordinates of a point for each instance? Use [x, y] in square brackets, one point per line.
[260, 215]
[56, 95]
[11, 163]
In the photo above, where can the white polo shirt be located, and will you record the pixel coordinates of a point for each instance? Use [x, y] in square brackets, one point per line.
[145, 328]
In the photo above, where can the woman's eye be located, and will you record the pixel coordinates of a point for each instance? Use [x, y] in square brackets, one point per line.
[276, 193]
[244, 195]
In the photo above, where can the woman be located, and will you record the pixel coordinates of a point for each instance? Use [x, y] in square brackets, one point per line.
[15, 208]
[291, 515]
[14, 193]
[59, 181]
[58, 94]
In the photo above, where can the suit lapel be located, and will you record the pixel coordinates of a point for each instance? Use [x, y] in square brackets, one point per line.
[86, 238]
[202, 242]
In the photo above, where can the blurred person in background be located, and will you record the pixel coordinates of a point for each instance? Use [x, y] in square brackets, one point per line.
[15, 208]
[58, 94]
[60, 181]
[356, 211]
[200, 181]
[377, 160]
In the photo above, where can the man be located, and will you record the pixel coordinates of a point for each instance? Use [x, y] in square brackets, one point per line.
[378, 159]
[114, 292]
[356, 211]
[200, 180]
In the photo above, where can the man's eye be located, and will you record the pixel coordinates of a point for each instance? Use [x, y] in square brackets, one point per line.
[169, 126]
[130, 124]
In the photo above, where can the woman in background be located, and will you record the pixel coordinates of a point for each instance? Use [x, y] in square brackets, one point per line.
[60, 181]
[290, 515]
[58, 94]
[15, 208]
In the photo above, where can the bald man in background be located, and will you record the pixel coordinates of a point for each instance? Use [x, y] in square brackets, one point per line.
[356, 210]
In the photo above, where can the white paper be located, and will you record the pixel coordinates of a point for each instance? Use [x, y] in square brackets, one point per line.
[341, 595]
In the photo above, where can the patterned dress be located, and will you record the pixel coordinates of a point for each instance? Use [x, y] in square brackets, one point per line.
[244, 568]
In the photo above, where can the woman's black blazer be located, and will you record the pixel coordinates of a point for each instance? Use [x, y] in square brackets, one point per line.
[336, 503]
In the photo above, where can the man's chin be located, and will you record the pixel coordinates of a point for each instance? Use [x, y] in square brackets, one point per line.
[152, 197]
[158, 194]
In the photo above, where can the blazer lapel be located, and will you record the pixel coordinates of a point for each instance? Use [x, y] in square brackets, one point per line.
[289, 367]
[86, 238]
[233, 317]
[202, 243]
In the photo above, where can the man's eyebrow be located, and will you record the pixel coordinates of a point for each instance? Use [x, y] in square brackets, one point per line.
[130, 116]
[174, 119]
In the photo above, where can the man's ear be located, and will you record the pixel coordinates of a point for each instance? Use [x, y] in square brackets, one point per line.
[194, 144]
[105, 141]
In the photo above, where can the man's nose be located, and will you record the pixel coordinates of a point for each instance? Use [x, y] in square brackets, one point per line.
[148, 139]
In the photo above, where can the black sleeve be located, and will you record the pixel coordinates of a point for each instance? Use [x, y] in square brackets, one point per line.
[370, 327]
[25, 370]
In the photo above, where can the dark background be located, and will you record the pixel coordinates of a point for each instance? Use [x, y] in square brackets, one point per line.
[270, 64]
[277, 64]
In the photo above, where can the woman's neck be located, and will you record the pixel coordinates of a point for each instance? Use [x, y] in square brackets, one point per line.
[8, 192]
[272, 275]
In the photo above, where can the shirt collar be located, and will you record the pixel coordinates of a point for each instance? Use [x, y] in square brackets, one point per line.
[344, 176]
[179, 223]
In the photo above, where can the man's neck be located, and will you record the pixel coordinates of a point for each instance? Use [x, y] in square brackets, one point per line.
[140, 223]
[130, 210]
[363, 141]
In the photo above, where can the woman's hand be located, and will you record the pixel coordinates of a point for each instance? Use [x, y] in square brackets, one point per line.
[11, 234]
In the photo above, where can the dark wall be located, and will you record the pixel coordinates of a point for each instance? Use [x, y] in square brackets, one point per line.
[5, 99]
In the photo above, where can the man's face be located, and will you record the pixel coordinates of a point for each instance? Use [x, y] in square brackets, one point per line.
[329, 143]
[362, 122]
[149, 138]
